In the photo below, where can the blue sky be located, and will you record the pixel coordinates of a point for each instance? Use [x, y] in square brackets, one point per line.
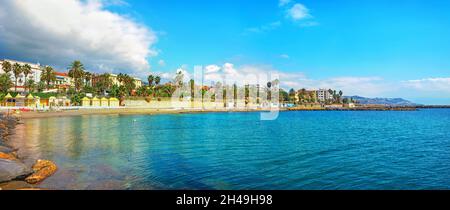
[359, 38]
[370, 48]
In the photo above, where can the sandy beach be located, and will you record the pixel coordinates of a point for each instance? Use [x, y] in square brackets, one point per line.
[153, 111]
[124, 111]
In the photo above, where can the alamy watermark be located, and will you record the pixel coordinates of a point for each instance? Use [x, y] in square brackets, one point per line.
[228, 91]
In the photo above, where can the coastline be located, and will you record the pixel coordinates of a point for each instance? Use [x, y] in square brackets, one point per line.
[152, 111]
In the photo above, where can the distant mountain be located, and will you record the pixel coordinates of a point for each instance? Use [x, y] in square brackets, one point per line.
[383, 101]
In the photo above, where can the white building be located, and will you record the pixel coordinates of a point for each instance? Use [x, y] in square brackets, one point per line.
[323, 95]
[63, 81]
[137, 82]
[35, 73]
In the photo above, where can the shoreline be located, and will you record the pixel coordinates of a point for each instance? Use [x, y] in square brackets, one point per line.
[151, 111]
[14, 173]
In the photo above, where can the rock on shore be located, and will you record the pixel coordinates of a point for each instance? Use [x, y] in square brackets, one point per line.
[12, 170]
[5, 149]
[42, 169]
[14, 174]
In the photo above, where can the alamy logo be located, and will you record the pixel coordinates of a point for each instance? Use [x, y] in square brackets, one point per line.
[225, 91]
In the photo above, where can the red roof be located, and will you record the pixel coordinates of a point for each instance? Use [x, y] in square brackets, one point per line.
[61, 74]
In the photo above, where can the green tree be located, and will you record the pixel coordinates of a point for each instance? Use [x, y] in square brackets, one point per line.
[6, 66]
[121, 78]
[76, 71]
[103, 83]
[128, 83]
[17, 70]
[150, 80]
[235, 94]
[26, 70]
[30, 85]
[118, 92]
[87, 78]
[48, 75]
[40, 86]
[192, 84]
[269, 92]
[5, 82]
[142, 91]
[284, 96]
[157, 80]
[291, 95]
[247, 94]
[76, 98]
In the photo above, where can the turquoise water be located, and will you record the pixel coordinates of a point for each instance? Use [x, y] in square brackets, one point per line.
[299, 150]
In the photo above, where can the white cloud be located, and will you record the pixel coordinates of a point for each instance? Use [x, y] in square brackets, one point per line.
[115, 3]
[285, 56]
[298, 12]
[247, 74]
[212, 69]
[437, 85]
[283, 2]
[56, 32]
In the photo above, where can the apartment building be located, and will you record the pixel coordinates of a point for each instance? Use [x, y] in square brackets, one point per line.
[323, 95]
[35, 72]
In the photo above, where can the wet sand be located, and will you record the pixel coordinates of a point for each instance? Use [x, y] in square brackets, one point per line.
[126, 111]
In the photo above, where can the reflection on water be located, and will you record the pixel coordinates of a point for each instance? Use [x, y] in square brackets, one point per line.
[300, 150]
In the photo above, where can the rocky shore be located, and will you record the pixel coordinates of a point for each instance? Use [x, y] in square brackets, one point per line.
[14, 174]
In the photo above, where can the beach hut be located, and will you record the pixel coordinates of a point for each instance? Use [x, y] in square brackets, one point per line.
[52, 101]
[85, 102]
[95, 102]
[114, 102]
[104, 102]
[9, 100]
[29, 102]
[20, 100]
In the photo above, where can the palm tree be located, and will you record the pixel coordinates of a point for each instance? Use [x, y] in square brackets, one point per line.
[5, 82]
[87, 78]
[192, 84]
[235, 94]
[103, 82]
[17, 70]
[129, 83]
[150, 80]
[26, 70]
[121, 78]
[157, 80]
[48, 75]
[77, 73]
[30, 84]
[6, 67]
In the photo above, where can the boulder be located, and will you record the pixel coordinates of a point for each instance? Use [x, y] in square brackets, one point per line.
[7, 150]
[42, 169]
[7, 156]
[13, 169]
